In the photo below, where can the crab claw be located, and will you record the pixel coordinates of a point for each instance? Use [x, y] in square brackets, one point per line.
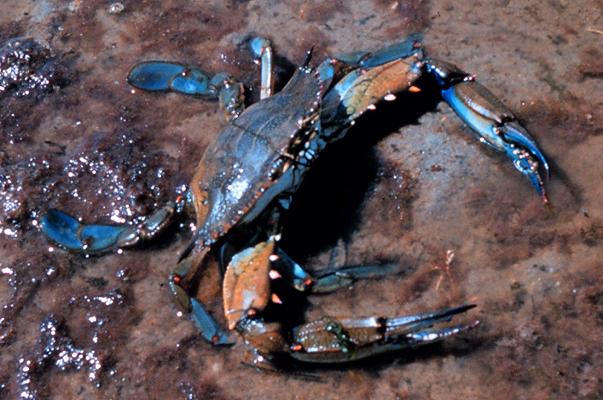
[417, 329]
[493, 123]
[526, 156]
[331, 340]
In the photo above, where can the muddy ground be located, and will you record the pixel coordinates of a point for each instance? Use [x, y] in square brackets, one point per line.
[409, 185]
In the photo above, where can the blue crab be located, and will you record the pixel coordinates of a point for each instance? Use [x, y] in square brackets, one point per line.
[246, 180]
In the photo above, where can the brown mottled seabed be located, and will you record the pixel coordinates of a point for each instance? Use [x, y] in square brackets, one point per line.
[405, 187]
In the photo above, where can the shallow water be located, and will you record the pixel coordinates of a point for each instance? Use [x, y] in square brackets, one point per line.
[407, 189]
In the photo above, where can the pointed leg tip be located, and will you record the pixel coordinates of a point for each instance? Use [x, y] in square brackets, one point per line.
[457, 310]
[223, 339]
[466, 307]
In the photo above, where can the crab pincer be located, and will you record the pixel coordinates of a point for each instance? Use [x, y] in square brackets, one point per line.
[330, 340]
[247, 294]
[493, 123]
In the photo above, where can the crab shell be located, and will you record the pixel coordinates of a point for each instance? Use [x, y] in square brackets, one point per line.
[260, 155]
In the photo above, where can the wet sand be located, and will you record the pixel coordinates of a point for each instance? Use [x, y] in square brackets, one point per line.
[404, 190]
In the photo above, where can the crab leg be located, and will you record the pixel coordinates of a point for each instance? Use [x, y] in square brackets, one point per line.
[328, 280]
[492, 121]
[166, 76]
[365, 78]
[332, 340]
[248, 279]
[172, 76]
[71, 234]
[262, 50]
[180, 281]
[247, 293]
[246, 289]
[210, 329]
[393, 52]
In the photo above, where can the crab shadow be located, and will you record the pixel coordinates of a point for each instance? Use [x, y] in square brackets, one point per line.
[328, 205]
[327, 209]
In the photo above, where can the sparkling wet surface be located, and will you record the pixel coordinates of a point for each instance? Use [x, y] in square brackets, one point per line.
[408, 189]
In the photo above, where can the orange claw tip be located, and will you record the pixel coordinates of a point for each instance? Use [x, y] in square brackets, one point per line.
[176, 279]
[414, 89]
[296, 347]
[308, 282]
